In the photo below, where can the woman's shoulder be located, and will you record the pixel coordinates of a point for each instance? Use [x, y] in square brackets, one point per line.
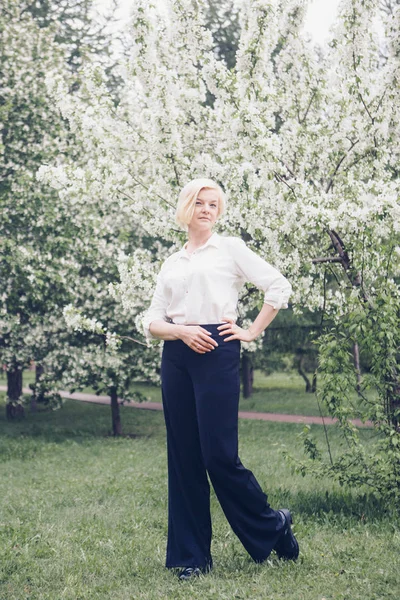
[170, 260]
[231, 241]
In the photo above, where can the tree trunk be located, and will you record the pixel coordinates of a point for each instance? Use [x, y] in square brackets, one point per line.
[392, 402]
[115, 414]
[247, 375]
[356, 281]
[309, 385]
[38, 373]
[314, 383]
[356, 357]
[14, 393]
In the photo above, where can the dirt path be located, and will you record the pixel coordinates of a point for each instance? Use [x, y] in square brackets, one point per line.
[260, 416]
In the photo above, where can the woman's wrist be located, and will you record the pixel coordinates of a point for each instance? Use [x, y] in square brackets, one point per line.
[163, 330]
[264, 318]
[178, 331]
[253, 334]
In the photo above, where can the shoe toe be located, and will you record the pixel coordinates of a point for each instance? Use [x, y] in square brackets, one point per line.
[189, 573]
[287, 547]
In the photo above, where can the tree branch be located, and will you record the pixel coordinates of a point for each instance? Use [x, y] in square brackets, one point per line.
[358, 87]
[288, 168]
[282, 180]
[326, 259]
[131, 339]
[308, 108]
[339, 165]
[132, 200]
[353, 276]
[147, 189]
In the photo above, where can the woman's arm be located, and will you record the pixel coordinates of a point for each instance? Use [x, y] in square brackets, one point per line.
[275, 286]
[253, 268]
[194, 336]
[266, 315]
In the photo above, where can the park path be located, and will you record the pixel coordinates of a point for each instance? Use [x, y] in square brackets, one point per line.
[259, 416]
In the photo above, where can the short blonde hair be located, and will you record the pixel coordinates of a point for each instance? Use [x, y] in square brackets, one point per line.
[188, 196]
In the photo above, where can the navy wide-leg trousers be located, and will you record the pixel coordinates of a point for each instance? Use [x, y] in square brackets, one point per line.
[200, 397]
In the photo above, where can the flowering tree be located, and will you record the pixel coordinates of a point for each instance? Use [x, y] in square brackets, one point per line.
[103, 353]
[43, 241]
[34, 227]
[77, 29]
[306, 148]
[222, 19]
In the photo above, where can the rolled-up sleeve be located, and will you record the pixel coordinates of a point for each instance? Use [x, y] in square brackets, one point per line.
[264, 276]
[156, 310]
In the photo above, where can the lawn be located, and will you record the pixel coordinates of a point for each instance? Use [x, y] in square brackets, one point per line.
[83, 516]
[279, 392]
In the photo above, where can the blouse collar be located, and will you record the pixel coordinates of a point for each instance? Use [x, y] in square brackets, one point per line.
[213, 240]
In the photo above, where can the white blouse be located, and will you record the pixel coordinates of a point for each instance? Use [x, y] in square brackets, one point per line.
[203, 287]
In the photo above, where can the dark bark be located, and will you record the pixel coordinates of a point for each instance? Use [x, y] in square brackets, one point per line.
[392, 401]
[115, 414]
[300, 370]
[353, 275]
[344, 259]
[38, 373]
[247, 375]
[355, 278]
[314, 383]
[14, 393]
[356, 357]
[14, 385]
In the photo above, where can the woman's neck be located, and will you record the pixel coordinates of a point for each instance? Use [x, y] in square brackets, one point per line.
[197, 239]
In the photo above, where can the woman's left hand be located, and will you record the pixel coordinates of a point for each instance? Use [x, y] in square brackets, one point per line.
[237, 333]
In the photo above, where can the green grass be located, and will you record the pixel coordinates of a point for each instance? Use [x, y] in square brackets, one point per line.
[83, 516]
[279, 392]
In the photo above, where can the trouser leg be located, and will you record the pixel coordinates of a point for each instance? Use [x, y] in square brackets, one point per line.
[189, 521]
[216, 383]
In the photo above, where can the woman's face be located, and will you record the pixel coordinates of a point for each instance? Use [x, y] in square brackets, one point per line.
[205, 210]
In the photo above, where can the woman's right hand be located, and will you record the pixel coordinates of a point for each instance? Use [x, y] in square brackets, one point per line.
[197, 338]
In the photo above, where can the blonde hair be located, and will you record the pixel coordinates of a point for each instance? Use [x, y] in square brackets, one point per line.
[188, 196]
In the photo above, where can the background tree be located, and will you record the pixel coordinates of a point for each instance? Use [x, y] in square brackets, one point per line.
[305, 146]
[42, 241]
[31, 220]
[290, 343]
[389, 6]
[222, 19]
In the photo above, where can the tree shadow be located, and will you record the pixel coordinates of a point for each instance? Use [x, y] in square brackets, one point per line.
[338, 506]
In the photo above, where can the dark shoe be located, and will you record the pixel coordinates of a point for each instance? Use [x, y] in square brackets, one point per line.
[191, 572]
[287, 546]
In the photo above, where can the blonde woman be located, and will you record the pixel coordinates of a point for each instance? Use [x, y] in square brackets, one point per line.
[194, 310]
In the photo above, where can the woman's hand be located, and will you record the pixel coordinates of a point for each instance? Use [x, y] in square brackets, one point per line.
[237, 333]
[197, 338]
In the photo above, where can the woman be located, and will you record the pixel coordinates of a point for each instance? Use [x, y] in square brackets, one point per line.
[194, 310]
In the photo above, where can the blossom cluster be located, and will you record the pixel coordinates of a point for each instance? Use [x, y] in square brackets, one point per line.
[304, 143]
